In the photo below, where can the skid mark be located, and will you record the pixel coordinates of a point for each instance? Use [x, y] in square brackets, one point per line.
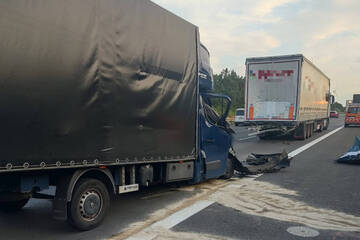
[203, 191]
[250, 197]
[268, 200]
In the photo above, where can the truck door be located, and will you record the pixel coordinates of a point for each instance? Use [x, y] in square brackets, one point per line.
[215, 135]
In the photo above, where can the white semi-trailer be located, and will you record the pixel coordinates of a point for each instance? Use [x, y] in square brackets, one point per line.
[286, 95]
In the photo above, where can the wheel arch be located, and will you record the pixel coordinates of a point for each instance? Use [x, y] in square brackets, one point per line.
[67, 183]
[104, 175]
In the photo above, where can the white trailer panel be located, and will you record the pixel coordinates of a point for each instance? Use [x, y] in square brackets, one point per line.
[315, 87]
[272, 90]
[285, 88]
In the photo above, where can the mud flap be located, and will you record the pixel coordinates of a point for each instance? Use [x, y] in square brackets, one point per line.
[261, 163]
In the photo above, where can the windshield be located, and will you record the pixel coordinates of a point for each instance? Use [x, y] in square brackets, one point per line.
[240, 112]
[206, 73]
[354, 110]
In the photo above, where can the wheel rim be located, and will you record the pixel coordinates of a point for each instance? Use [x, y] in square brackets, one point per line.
[90, 205]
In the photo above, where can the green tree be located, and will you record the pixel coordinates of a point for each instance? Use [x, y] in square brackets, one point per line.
[337, 107]
[228, 82]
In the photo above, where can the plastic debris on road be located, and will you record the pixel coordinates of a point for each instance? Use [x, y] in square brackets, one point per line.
[353, 155]
[264, 163]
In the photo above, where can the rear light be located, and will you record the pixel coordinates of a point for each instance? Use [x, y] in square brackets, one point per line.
[251, 112]
[291, 112]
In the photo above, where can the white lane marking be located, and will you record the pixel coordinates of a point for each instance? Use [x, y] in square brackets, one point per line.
[243, 139]
[143, 236]
[253, 177]
[183, 214]
[309, 145]
[172, 220]
[303, 148]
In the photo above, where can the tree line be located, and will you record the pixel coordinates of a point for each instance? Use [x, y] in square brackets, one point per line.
[228, 82]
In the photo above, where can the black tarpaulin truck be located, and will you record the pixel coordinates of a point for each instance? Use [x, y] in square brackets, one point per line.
[99, 98]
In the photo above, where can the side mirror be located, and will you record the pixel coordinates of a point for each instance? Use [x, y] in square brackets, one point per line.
[332, 99]
[327, 97]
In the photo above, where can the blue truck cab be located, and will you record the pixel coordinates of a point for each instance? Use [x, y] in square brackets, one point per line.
[215, 135]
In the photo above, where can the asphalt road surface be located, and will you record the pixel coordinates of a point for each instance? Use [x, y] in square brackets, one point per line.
[314, 192]
[316, 196]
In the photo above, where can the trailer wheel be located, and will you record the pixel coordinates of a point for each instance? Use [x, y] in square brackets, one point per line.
[310, 130]
[262, 137]
[326, 124]
[229, 169]
[89, 204]
[265, 136]
[13, 206]
[301, 133]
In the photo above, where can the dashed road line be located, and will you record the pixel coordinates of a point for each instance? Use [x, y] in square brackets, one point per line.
[182, 215]
[316, 141]
[243, 139]
[172, 220]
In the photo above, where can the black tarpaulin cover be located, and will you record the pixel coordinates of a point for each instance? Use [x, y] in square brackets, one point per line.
[353, 155]
[95, 80]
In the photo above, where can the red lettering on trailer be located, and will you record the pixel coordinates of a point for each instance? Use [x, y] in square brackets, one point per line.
[271, 73]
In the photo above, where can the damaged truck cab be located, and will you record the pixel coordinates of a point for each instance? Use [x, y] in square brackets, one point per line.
[215, 139]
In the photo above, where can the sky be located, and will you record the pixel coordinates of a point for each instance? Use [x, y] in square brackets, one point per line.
[327, 32]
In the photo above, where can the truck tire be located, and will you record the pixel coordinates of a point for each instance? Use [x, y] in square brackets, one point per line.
[326, 124]
[262, 137]
[265, 136]
[229, 169]
[301, 132]
[89, 204]
[310, 130]
[307, 134]
[13, 206]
